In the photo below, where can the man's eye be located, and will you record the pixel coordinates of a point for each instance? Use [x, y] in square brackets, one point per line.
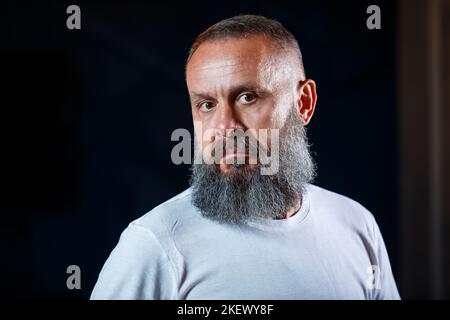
[247, 98]
[206, 106]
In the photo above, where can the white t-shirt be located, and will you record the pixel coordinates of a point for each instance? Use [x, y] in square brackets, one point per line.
[331, 248]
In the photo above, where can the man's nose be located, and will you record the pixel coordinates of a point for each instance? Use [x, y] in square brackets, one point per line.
[226, 119]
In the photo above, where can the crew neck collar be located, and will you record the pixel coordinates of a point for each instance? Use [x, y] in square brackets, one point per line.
[286, 223]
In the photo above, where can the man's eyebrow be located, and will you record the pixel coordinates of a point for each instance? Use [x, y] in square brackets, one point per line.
[234, 90]
[198, 96]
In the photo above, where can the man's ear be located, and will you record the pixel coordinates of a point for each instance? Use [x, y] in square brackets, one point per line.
[306, 100]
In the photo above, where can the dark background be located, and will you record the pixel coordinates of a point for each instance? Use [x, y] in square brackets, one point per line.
[87, 117]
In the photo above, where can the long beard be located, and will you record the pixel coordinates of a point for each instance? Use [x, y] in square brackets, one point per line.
[245, 194]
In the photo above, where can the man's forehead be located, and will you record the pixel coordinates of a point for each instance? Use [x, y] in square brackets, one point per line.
[236, 48]
[230, 58]
[225, 70]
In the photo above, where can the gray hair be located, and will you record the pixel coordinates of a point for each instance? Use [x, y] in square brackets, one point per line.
[243, 26]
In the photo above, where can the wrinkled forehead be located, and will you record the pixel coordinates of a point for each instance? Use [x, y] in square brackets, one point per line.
[222, 62]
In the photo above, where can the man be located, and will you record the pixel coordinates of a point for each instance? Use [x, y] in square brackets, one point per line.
[238, 233]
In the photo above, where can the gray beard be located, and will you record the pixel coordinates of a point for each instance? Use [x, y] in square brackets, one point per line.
[245, 194]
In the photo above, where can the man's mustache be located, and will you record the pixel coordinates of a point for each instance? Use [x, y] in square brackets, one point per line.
[243, 145]
[247, 148]
[237, 142]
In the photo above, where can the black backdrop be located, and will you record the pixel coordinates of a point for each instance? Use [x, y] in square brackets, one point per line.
[87, 117]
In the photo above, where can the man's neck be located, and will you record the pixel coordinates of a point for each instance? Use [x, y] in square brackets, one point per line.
[293, 210]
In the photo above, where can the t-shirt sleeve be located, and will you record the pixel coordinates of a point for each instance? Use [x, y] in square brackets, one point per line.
[137, 269]
[386, 289]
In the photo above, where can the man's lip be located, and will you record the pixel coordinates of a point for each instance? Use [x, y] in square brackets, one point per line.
[233, 155]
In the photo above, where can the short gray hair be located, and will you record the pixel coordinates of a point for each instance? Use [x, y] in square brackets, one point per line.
[243, 26]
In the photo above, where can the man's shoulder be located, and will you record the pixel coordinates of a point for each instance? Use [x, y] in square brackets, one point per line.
[339, 206]
[163, 217]
[328, 196]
